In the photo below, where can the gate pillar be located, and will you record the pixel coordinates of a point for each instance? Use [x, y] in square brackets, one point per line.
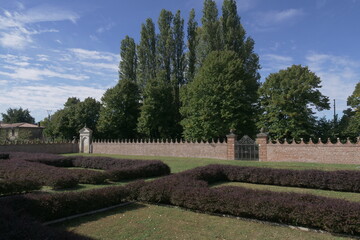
[85, 143]
[231, 141]
[261, 140]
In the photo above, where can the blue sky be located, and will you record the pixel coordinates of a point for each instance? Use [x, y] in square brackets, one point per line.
[52, 50]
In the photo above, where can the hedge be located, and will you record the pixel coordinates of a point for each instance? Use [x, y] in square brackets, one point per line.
[18, 185]
[46, 206]
[50, 176]
[190, 189]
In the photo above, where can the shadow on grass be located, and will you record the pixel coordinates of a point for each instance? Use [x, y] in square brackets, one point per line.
[73, 223]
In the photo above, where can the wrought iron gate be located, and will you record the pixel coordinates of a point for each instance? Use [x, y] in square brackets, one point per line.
[246, 149]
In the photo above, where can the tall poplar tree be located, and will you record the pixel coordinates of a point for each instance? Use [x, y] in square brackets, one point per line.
[120, 104]
[165, 44]
[211, 34]
[146, 52]
[191, 44]
[128, 64]
[178, 78]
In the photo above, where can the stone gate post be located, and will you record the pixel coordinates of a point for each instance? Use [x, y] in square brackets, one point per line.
[231, 141]
[85, 142]
[261, 140]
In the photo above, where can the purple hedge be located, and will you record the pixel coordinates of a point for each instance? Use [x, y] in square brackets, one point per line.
[46, 207]
[190, 189]
[18, 185]
[50, 170]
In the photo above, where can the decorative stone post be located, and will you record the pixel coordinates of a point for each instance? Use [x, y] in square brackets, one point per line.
[261, 140]
[231, 140]
[85, 143]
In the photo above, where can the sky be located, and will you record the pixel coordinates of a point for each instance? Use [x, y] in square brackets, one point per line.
[53, 50]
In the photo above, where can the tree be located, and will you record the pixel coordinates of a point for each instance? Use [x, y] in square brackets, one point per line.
[219, 99]
[128, 63]
[211, 34]
[119, 111]
[192, 44]
[17, 115]
[146, 52]
[287, 100]
[233, 31]
[165, 44]
[66, 123]
[351, 117]
[156, 117]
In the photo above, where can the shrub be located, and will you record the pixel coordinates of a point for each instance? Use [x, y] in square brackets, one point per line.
[47, 175]
[46, 207]
[90, 176]
[19, 185]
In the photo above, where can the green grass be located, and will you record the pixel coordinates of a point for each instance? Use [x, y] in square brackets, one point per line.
[151, 222]
[181, 164]
[354, 197]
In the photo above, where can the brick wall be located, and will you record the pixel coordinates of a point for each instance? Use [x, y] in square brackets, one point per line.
[41, 148]
[347, 153]
[183, 149]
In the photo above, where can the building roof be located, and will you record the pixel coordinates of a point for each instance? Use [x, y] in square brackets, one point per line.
[19, 125]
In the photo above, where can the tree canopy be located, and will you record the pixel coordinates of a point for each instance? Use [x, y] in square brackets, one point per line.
[220, 98]
[17, 115]
[288, 99]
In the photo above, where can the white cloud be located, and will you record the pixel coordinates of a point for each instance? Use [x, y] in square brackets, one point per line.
[18, 27]
[105, 28]
[268, 20]
[39, 74]
[246, 5]
[106, 66]
[41, 98]
[339, 75]
[94, 55]
[273, 63]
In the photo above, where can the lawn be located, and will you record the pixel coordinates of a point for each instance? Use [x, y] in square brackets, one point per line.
[143, 221]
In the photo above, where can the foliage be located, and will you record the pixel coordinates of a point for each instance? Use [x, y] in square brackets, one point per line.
[146, 51]
[156, 117]
[18, 185]
[219, 99]
[128, 63]
[46, 207]
[287, 100]
[67, 122]
[119, 111]
[192, 42]
[17, 115]
[351, 118]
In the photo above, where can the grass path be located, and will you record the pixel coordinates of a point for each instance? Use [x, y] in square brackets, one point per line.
[151, 222]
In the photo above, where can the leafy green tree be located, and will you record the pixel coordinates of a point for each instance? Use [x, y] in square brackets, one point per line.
[156, 117]
[219, 98]
[351, 118]
[287, 99]
[119, 111]
[128, 64]
[17, 115]
[146, 52]
[192, 45]
[66, 123]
